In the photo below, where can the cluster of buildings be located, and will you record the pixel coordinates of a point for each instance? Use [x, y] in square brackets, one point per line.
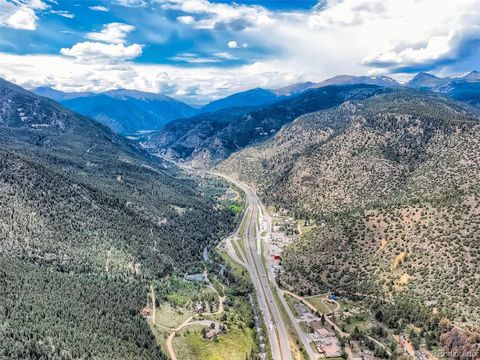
[283, 234]
[324, 338]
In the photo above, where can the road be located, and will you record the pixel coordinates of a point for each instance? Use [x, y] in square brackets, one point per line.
[276, 329]
[171, 351]
[188, 322]
[302, 336]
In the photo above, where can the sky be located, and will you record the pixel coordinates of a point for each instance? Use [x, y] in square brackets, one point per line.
[200, 50]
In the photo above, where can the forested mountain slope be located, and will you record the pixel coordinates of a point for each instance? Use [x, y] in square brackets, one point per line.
[209, 138]
[124, 111]
[392, 182]
[252, 97]
[87, 220]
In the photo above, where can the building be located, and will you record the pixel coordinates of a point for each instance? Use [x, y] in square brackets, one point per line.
[325, 341]
[195, 277]
[420, 355]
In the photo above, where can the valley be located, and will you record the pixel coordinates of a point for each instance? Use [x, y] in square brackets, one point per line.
[365, 213]
[239, 180]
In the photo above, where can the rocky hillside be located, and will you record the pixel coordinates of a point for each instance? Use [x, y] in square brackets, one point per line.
[87, 221]
[392, 183]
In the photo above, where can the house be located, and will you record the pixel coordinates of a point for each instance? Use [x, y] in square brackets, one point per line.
[420, 355]
[209, 335]
[301, 309]
[315, 325]
[213, 331]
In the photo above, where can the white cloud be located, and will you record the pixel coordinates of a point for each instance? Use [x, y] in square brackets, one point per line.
[220, 16]
[224, 55]
[24, 18]
[63, 13]
[98, 8]
[113, 33]
[372, 37]
[197, 84]
[20, 14]
[395, 36]
[193, 58]
[187, 20]
[232, 44]
[91, 51]
[434, 46]
[340, 36]
[108, 45]
[34, 4]
[130, 3]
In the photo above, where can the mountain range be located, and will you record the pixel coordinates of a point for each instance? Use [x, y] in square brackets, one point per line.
[209, 138]
[464, 88]
[252, 116]
[387, 174]
[131, 111]
[124, 111]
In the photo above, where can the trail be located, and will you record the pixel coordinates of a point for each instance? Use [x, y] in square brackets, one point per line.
[189, 322]
[171, 351]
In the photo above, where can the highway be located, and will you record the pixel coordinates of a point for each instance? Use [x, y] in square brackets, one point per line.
[262, 280]
[302, 336]
[276, 329]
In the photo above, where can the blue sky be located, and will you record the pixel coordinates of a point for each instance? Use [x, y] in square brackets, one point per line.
[164, 39]
[198, 50]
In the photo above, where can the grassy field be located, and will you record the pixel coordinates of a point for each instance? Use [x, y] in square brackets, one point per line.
[362, 321]
[241, 229]
[232, 345]
[291, 301]
[302, 229]
[241, 246]
[170, 317]
[237, 269]
[236, 247]
[318, 303]
[167, 318]
[161, 336]
[323, 307]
